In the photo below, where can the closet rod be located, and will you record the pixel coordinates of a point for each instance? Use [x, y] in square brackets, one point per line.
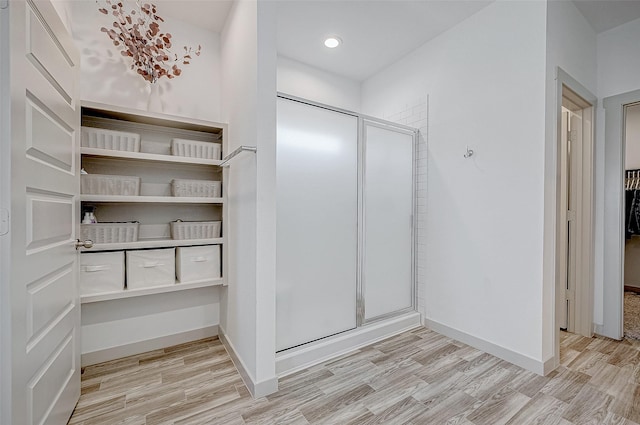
[229, 157]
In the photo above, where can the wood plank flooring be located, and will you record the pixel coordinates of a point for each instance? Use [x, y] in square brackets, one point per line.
[418, 377]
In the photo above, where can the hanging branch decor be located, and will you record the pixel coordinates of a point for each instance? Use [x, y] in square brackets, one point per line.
[137, 35]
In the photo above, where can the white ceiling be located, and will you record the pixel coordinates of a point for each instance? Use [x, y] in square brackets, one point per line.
[375, 33]
[606, 14]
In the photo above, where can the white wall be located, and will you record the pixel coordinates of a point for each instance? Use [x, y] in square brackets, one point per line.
[266, 199]
[248, 101]
[106, 77]
[301, 80]
[571, 46]
[117, 323]
[618, 59]
[485, 79]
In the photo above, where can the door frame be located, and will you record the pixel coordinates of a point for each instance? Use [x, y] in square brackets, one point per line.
[584, 293]
[364, 122]
[613, 239]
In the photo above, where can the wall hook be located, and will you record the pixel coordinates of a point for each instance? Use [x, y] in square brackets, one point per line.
[469, 153]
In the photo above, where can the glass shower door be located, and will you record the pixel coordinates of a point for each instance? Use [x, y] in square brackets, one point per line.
[317, 223]
[387, 268]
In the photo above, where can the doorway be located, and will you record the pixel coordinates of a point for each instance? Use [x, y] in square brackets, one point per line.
[575, 207]
[631, 265]
[575, 212]
[617, 109]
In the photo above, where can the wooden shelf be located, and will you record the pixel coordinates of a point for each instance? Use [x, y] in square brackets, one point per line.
[136, 116]
[128, 293]
[107, 153]
[149, 199]
[152, 243]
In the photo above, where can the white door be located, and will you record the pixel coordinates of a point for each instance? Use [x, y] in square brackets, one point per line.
[570, 174]
[317, 223]
[387, 277]
[44, 305]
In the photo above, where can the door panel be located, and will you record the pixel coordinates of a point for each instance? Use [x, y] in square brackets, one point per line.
[317, 210]
[46, 54]
[388, 214]
[48, 301]
[47, 224]
[45, 310]
[48, 138]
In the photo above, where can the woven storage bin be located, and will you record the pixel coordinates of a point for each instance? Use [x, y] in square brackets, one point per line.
[195, 149]
[102, 184]
[110, 139]
[203, 188]
[195, 229]
[110, 232]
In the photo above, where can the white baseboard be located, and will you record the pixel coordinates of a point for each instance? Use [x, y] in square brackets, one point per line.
[257, 389]
[299, 358]
[602, 331]
[148, 345]
[516, 358]
[550, 365]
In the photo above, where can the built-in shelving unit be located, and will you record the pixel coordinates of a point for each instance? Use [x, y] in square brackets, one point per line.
[149, 199]
[139, 156]
[128, 293]
[153, 243]
[155, 207]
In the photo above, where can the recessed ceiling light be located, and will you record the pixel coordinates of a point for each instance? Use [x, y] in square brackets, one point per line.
[332, 42]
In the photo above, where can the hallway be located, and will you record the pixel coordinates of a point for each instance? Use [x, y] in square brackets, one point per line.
[418, 377]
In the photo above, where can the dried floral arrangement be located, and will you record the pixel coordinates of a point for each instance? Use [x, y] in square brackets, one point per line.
[137, 35]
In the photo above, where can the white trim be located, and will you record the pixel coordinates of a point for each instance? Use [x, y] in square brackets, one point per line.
[302, 357]
[518, 359]
[257, 389]
[147, 345]
[550, 365]
[5, 198]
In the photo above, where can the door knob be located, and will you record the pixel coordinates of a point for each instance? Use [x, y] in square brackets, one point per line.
[84, 244]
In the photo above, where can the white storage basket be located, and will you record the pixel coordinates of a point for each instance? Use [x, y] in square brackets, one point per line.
[102, 184]
[151, 267]
[195, 229]
[110, 139]
[195, 263]
[110, 232]
[101, 272]
[203, 188]
[195, 149]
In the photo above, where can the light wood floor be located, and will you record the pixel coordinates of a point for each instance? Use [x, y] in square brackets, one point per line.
[418, 377]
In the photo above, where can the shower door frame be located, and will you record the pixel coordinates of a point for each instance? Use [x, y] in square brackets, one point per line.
[364, 121]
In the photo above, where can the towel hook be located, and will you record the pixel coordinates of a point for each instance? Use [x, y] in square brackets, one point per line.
[468, 153]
